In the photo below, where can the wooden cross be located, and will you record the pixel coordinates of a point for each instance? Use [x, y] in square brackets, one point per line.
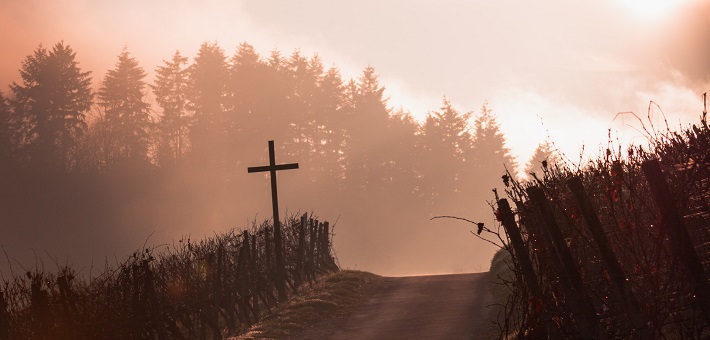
[272, 168]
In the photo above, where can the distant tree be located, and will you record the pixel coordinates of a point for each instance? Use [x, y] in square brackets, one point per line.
[311, 111]
[446, 145]
[328, 126]
[266, 105]
[207, 94]
[489, 153]
[367, 124]
[250, 102]
[50, 106]
[126, 116]
[7, 132]
[303, 78]
[402, 172]
[544, 157]
[93, 146]
[246, 80]
[170, 91]
[246, 85]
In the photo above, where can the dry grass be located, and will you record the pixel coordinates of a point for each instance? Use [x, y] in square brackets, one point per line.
[207, 288]
[334, 294]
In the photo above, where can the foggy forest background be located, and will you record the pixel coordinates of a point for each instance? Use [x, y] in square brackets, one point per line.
[91, 168]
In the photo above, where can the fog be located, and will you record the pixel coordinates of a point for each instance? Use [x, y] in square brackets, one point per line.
[554, 69]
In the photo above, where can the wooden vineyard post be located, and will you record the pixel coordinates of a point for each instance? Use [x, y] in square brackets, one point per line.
[318, 245]
[278, 246]
[310, 251]
[211, 311]
[217, 289]
[267, 250]
[4, 320]
[39, 308]
[521, 251]
[301, 250]
[678, 234]
[523, 255]
[314, 243]
[244, 289]
[244, 281]
[246, 269]
[579, 302]
[70, 309]
[324, 245]
[251, 250]
[155, 310]
[628, 299]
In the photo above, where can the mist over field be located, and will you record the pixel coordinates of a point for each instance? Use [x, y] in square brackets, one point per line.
[396, 113]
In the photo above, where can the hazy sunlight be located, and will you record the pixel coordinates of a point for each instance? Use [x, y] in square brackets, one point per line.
[652, 10]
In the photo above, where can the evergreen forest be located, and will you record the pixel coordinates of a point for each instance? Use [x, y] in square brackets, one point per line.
[93, 168]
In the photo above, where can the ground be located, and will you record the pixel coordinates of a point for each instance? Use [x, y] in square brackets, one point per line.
[417, 307]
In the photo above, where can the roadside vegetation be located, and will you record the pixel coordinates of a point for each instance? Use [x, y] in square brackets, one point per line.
[612, 249]
[333, 296]
[215, 287]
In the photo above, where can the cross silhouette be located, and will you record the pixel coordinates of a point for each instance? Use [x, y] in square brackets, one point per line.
[272, 168]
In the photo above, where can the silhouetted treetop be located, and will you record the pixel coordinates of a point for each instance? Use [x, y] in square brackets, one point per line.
[543, 157]
[207, 93]
[50, 105]
[446, 145]
[7, 133]
[125, 112]
[170, 89]
[489, 152]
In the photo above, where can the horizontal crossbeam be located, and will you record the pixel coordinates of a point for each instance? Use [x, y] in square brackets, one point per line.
[269, 168]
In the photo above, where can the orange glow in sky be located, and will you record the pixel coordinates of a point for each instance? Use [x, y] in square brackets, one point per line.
[653, 9]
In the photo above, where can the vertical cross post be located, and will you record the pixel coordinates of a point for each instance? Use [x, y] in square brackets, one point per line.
[272, 168]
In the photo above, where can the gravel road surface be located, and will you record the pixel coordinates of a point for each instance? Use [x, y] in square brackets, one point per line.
[416, 307]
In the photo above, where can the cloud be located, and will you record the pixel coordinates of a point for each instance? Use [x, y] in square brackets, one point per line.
[687, 43]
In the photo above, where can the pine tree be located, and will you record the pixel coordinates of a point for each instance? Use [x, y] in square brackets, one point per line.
[489, 153]
[304, 78]
[261, 92]
[126, 114]
[446, 144]
[207, 94]
[402, 175]
[50, 106]
[170, 91]
[544, 157]
[7, 131]
[368, 120]
[247, 87]
[328, 126]
[246, 78]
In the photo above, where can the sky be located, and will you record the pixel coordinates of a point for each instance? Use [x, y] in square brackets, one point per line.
[558, 70]
[551, 69]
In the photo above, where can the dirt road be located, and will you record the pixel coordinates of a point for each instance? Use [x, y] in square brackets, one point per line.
[418, 307]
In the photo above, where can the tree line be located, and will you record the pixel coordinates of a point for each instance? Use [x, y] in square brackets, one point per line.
[210, 116]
